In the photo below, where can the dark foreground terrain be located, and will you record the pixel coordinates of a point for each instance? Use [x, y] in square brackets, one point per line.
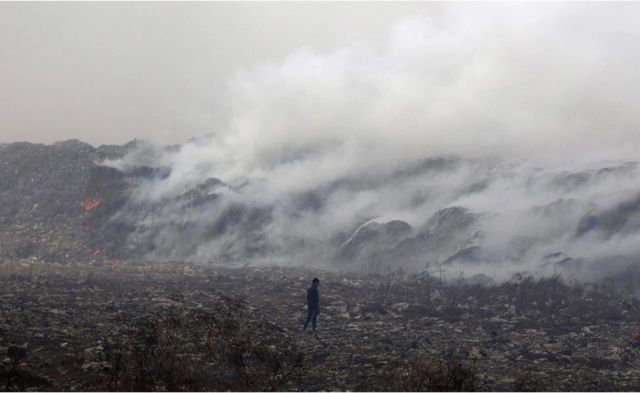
[137, 326]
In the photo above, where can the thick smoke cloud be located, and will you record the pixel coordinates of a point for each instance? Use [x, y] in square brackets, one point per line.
[505, 141]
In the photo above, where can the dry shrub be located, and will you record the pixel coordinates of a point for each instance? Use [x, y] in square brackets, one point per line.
[220, 349]
[426, 375]
[528, 381]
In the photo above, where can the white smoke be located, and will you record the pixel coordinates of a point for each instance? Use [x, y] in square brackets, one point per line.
[522, 94]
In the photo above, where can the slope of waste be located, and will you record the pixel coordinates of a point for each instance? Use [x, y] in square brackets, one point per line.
[55, 201]
[486, 216]
[70, 202]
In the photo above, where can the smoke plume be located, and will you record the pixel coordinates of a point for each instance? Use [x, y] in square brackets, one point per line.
[493, 138]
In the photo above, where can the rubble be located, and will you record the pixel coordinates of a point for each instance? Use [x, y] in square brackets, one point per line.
[63, 324]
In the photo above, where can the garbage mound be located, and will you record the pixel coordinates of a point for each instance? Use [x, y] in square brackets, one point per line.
[70, 201]
[56, 200]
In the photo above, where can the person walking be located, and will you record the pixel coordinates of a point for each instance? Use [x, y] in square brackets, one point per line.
[313, 301]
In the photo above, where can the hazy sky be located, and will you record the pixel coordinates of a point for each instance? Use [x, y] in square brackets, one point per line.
[357, 81]
[109, 72]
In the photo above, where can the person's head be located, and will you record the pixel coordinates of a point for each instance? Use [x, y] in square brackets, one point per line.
[315, 282]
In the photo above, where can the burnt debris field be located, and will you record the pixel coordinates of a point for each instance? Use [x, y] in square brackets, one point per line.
[104, 286]
[176, 326]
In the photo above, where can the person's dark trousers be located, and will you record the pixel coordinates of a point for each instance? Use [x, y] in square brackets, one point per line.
[312, 315]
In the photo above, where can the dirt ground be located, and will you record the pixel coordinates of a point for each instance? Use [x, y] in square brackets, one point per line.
[60, 323]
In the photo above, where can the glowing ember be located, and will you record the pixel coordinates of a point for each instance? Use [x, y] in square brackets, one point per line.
[91, 203]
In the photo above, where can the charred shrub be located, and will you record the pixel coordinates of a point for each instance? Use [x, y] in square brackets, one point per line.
[15, 378]
[528, 381]
[430, 375]
[219, 349]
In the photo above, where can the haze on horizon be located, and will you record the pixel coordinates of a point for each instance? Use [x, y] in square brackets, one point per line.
[557, 79]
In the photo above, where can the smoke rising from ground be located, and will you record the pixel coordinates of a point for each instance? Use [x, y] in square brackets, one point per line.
[521, 122]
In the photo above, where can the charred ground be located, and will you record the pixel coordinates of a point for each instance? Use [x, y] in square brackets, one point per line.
[176, 326]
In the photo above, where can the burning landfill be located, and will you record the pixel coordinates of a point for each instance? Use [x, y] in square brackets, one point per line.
[120, 269]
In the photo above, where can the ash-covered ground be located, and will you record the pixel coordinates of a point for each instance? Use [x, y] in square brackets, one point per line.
[175, 326]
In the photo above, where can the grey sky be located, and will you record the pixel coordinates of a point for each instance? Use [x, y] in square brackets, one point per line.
[109, 72]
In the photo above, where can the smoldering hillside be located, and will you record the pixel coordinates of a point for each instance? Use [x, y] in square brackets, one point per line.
[488, 145]
[475, 215]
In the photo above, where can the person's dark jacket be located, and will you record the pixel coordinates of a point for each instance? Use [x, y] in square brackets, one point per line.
[313, 298]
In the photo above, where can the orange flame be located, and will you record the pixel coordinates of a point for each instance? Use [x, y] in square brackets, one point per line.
[91, 203]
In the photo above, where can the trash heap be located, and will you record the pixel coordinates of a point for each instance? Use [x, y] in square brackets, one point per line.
[56, 201]
[72, 202]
